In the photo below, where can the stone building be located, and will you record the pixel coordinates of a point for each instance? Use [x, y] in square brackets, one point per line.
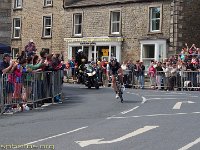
[126, 29]
[40, 21]
[5, 22]
[130, 29]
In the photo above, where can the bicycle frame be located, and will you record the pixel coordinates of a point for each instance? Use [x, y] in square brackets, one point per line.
[119, 87]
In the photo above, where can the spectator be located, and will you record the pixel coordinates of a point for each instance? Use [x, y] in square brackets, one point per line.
[152, 75]
[6, 67]
[141, 75]
[137, 70]
[159, 75]
[72, 66]
[172, 78]
[167, 69]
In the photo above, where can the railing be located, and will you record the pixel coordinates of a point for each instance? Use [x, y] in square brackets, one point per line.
[30, 88]
[180, 80]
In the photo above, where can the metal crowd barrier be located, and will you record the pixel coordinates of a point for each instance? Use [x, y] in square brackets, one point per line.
[57, 81]
[180, 80]
[30, 88]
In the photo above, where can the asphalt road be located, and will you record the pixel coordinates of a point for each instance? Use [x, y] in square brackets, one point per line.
[90, 119]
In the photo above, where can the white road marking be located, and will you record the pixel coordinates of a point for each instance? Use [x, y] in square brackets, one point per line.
[129, 135]
[186, 147]
[178, 104]
[125, 112]
[111, 117]
[163, 95]
[176, 93]
[134, 94]
[55, 136]
[154, 115]
[194, 96]
[163, 98]
[143, 100]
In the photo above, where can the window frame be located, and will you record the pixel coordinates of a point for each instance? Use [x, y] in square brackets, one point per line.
[46, 3]
[16, 4]
[74, 24]
[16, 28]
[111, 22]
[45, 27]
[153, 19]
[14, 53]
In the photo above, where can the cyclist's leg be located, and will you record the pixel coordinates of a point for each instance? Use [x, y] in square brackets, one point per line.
[114, 83]
[115, 86]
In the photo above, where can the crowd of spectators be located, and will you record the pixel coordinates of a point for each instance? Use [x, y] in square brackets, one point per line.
[17, 78]
[181, 71]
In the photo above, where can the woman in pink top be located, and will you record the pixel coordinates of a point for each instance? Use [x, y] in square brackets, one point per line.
[152, 75]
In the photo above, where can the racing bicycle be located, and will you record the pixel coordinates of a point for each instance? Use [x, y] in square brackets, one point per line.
[119, 87]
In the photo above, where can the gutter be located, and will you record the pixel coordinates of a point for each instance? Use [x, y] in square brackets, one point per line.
[111, 3]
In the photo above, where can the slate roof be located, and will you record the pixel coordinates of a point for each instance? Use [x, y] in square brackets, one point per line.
[87, 3]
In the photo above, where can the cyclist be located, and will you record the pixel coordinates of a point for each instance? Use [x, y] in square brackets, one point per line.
[114, 69]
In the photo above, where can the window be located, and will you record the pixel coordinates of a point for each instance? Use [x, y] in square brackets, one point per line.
[115, 22]
[48, 3]
[47, 26]
[155, 19]
[15, 52]
[77, 24]
[148, 51]
[16, 28]
[18, 4]
[153, 50]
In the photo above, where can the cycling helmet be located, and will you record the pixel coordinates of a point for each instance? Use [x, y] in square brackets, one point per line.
[113, 59]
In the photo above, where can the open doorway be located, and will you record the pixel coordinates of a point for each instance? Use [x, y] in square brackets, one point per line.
[102, 52]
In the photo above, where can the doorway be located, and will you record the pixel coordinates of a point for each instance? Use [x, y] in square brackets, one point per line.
[102, 52]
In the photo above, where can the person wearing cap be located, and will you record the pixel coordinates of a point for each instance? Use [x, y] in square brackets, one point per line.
[81, 60]
[7, 67]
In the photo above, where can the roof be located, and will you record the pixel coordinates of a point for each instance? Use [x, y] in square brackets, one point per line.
[87, 3]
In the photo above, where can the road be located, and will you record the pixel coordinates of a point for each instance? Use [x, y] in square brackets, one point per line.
[90, 119]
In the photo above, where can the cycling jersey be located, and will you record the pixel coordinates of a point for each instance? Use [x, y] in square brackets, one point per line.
[114, 68]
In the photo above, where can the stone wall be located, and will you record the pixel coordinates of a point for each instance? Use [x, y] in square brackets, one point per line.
[135, 24]
[190, 23]
[31, 15]
[5, 22]
[176, 29]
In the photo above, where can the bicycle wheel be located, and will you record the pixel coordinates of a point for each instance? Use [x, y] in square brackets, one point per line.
[120, 95]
